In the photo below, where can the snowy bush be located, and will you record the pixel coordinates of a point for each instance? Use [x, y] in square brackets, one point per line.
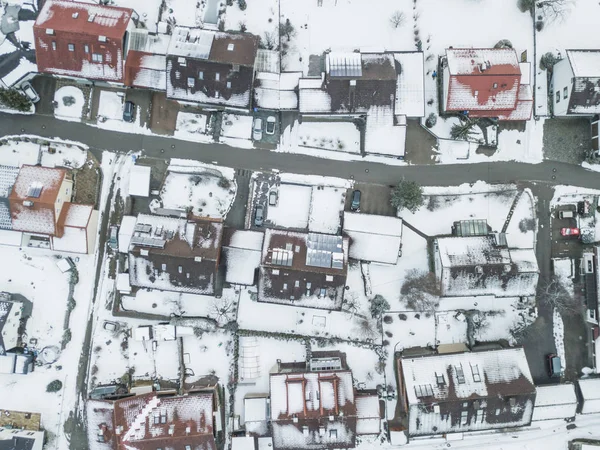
[431, 120]
[407, 195]
[242, 4]
[54, 386]
[378, 306]
[547, 61]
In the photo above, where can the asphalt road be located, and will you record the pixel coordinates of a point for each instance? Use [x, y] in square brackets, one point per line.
[254, 159]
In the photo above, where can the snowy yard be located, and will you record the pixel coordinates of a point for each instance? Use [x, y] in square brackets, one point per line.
[259, 17]
[338, 136]
[207, 194]
[22, 152]
[111, 105]
[193, 127]
[444, 206]
[110, 114]
[236, 126]
[326, 206]
[293, 206]
[70, 101]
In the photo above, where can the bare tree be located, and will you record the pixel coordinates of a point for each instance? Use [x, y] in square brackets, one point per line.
[397, 20]
[421, 290]
[553, 293]
[223, 309]
[554, 10]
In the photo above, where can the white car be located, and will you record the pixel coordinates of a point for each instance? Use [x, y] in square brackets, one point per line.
[271, 121]
[30, 92]
[257, 132]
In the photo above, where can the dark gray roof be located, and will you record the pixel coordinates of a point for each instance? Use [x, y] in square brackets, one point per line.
[17, 443]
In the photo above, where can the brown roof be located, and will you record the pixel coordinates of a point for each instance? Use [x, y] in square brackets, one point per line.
[84, 18]
[49, 178]
[234, 48]
[144, 69]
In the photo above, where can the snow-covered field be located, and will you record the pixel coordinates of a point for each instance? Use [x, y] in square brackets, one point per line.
[337, 136]
[70, 101]
[207, 194]
[293, 206]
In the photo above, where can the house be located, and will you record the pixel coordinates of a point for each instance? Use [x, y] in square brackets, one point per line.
[8, 175]
[211, 67]
[82, 40]
[484, 265]
[384, 88]
[155, 420]
[146, 63]
[303, 269]
[467, 391]
[11, 314]
[174, 254]
[373, 238]
[555, 402]
[40, 207]
[486, 82]
[589, 394]
[256, 414]
[17, 439]
[139, 181]
[576, 84]
[314, 404]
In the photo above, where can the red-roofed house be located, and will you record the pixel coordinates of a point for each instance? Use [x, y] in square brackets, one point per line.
[82, 40]
[157, 420]
[40, 208]
[486, 83]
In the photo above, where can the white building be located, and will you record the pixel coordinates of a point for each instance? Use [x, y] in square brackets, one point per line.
[576, 84]
[21, 439]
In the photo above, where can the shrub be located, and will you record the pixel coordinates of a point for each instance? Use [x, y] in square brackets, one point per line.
[54, 386]
[242, 26]
[547, 61]
[539, 25]
[229, 2]
[378, 306]
[242, 4]
[14, 99]
[407, 195]
[503, 43]
[224, 183]
[431, 120]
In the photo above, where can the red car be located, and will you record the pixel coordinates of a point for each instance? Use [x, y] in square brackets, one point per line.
[569, 231]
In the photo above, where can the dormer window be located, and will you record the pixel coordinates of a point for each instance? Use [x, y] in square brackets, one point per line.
[230, 47]
[102, 38]
[50, 31]
[333, 435]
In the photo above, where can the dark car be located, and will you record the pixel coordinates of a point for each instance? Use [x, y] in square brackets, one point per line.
[355, 205]
[259, 216]
[128, 111]
[554, 366]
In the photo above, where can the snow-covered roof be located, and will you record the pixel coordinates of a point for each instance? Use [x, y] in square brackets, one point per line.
[139, 181]
[77, 215]
[368, 414]
[585, 63]
[468, 391]
[373, 238]
[489, 61]
[276, 91]
[314, 100]
[126, 232]
[267, 61]
[9, 329]
[590, 393]
[255, 409]
[247, 239]
[143, 41]
[72, 240]
[382, 135]
[243, 443]
[241, 265]
[8, 175]
[555, 402]
[410, 85]
[471, 250]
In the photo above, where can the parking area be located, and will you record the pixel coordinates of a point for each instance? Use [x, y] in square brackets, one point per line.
[565, 246]
[270, 128]
[374, 199]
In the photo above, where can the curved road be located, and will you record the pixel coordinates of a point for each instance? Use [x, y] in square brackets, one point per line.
[254, 159]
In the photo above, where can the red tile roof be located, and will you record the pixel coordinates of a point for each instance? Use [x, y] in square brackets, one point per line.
[84, 18]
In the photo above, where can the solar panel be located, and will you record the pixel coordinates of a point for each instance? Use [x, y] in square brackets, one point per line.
[347, 65]
[35, 189]
[282, 257]
[148, 242]
[142, 228]
[324, 250]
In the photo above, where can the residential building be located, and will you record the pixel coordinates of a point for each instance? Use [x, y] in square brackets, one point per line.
[589, 395]
[242, 251]
[146, 63]
[82, 40]
[17, 439]
[467, 391]
[486, 82]
[11, 314]
[211, 67]
[303, 269]
[484, 265]
[314, 405]
[373, 238]
[557, 401]
[155, 420]
[576, 84]
[175, 254]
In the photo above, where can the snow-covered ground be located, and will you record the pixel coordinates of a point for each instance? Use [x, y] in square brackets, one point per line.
[326, 207]
[336, 136]
[259, 17]
[293, 206]
[193, 127]
[67, 154]
[236, 126]
[70, 101]
[110, 114]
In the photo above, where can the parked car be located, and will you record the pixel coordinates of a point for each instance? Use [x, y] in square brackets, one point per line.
[128, 111]
[28, 90]
[569, 231]
[257, 129]
[566, 214]
[355, 205]
[259, 216]
[113, 237]
[272, 198]
[271, 121]
[554, 366]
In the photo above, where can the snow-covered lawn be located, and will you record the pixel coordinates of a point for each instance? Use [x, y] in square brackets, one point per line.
[326, 206]
[236, 126]
[148, 10]
[184, 13]
[70, 101]
[444, 206]
[259, 17]
[206, 193]
[18, 152]
[111, 105]
[338, 136]
[193, 127]
[293, 206]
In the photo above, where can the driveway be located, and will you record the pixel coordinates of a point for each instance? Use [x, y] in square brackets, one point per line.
[374, 199]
